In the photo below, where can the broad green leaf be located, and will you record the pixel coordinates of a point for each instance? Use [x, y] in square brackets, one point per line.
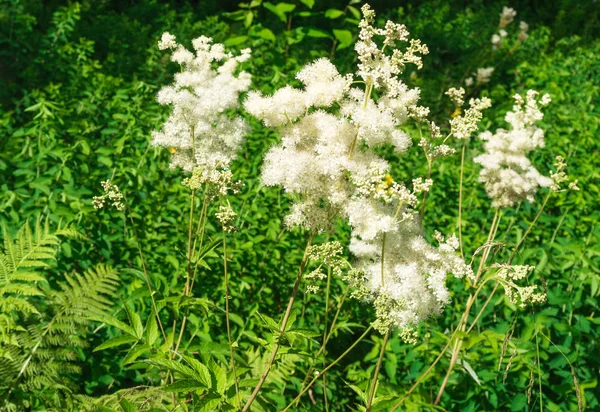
[234, 41]
[318, 33]
[344, 37]
[333, 13]
[308, 3]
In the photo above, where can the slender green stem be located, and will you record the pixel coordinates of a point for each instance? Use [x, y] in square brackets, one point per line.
[332, 364]
[323, 346]
[460, 199]
[286, 317]
[235, 378]
[145, 270]
[539, 213]
[376, 373]
[325, 337]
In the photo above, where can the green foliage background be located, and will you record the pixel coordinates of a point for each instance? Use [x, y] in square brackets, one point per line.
[77, 106]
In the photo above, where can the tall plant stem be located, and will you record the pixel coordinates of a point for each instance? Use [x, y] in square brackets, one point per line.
[465, 316]
[235, 378]
[387, 335]
[376, 374]
[286, 317]
[437, 359]
[460, 199]
[186, 289]
[327, 337]
[537, 216]
[190, 283]
[145, 270]
[332, 364]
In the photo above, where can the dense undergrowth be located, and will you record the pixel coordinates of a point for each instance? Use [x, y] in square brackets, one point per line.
[78, 106]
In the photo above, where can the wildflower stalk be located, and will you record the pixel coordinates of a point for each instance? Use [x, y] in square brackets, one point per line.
[286, 317]
[144, 269]
[332, 364]
[326, 339]
[460, 198]
[235, 378]
[537, 216]
[376, 373]
[325, 336]
[387, 335]
[463, 321]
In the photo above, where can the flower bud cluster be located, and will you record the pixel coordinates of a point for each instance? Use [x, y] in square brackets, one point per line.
[112, 194]
[519, 295]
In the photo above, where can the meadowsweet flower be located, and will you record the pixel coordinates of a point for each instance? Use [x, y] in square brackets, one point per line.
[226, 216]
[327, 162]
[463, 126]
[199, 129]
[469, 81]
[456, 95]
[167, 41]
[404, 276]
[112, 194]
[326, 148]
[507, 16]
[519, 295]
[559, 176]
[506, 171]
[483, 75]
[523, 28]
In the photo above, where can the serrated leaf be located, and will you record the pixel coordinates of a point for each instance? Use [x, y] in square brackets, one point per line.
[134, 353]
[127, 406]
[185, 385]
[151, 330]
[117, 341]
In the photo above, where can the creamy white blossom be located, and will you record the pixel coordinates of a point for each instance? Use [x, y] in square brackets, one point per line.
[200, 131]
[326, 161]
[506, 171]
[483, 75]
[507, 16]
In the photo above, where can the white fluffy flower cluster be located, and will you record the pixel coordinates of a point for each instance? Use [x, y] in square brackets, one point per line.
[326, 161]
[407, 274]
[199, 132]
[506, 171]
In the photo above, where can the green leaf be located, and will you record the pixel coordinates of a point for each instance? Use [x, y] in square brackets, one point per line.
[344, 37]
[134, 353]
[119, 340]
[112, 321]
[151, 330]
[248, 19]
[318, 33]
[127, 406]
[266, 34]
[308, 3]
[280, 9]
[185, 385]
[234, 41]
[333, 13]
